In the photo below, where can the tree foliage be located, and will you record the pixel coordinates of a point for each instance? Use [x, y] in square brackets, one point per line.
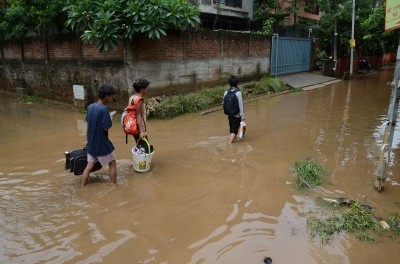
[271, 13]
[104, 23]
[368, 30]
[25, 18]
[107, 22]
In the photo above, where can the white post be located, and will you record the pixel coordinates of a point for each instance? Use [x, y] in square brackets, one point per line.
[384, 158]
[352, 36]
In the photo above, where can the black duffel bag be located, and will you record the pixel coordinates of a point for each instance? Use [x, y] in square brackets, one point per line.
[76, 161]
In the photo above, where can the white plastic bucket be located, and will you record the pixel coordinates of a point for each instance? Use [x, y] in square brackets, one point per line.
[142, 161]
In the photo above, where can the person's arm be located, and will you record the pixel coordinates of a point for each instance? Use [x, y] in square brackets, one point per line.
[130, 100]
[241, 108]
[140, 112]
[224, 97]
[106, 122]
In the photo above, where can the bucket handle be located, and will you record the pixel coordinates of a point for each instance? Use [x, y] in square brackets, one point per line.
[147, 142]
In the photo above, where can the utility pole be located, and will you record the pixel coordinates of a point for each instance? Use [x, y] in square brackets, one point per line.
[352, 37]
[392, 22]
[390, 124]
[335, 33]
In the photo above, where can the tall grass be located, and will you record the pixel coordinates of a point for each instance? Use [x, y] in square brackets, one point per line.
[31, 99]
[171, 106]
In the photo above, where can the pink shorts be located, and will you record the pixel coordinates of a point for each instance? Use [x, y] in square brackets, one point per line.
[104, 160]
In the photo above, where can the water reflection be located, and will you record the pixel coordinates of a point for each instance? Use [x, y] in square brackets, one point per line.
[247, 233]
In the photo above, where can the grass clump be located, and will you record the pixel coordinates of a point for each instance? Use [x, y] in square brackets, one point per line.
[172, 106]
[35, 99]
[298, 89]
[309, 174]
[356, 220]
[265, 85]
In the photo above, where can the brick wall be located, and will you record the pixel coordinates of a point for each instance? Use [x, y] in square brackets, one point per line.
[179, 61]
[201, 45]
[259, 47]
[168, 48]
[235, 45]
[61, 47]
[204, 45]
[12, 50]
[90, 52]
[34, 49]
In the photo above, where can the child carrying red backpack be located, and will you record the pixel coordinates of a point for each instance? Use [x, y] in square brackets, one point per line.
[133, 118]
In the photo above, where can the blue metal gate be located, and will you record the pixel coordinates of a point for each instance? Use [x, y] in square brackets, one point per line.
[290, 55]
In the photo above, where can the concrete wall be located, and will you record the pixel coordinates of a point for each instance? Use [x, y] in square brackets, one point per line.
[181, 61]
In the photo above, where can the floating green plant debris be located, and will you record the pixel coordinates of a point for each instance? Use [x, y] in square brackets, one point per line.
[309, 174]
[355, 218]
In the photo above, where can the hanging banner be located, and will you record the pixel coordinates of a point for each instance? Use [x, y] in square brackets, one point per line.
[392, 15]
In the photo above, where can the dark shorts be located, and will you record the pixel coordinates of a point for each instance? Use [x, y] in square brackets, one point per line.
[234, 124]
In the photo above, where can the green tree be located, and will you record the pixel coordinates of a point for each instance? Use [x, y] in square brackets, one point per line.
[107, 22]
[271, 13]
[375, 40]
[368, 30]
[23, 18]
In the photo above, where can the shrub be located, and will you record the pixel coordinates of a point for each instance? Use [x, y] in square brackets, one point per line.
[171, 106]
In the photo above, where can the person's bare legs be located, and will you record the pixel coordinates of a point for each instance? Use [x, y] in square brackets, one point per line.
[112, 166]
[232, 138]
[86, 173]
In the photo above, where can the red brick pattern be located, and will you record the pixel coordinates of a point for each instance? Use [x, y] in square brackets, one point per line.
[34, 49]
[12, 50]
[90, 52]
[203, 45]
[175, 46]
[259, 46]
[235, 45]
[62, 47]
[166, 48]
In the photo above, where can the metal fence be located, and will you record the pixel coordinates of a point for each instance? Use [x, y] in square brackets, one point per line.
[289, 55]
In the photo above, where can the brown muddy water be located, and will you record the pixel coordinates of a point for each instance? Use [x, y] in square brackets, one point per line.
[203, 201]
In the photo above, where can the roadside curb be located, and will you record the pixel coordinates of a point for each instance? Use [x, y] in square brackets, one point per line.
[262, 97]
[320, 85]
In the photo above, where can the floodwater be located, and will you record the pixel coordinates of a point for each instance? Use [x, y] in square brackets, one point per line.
[203, 201]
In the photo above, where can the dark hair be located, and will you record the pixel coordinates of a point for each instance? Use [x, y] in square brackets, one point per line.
[139, 84]
[105, 90]
[233, 81]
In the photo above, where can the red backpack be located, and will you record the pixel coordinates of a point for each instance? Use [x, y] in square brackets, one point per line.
[129, 119]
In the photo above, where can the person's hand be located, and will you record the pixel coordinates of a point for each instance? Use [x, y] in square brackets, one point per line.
[143, 135]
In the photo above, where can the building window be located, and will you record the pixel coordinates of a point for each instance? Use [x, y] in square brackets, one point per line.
[230, 3]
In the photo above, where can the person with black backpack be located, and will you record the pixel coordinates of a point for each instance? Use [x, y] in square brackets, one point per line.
[233, 107]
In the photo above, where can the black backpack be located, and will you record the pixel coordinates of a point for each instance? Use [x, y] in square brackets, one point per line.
[231, 102]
